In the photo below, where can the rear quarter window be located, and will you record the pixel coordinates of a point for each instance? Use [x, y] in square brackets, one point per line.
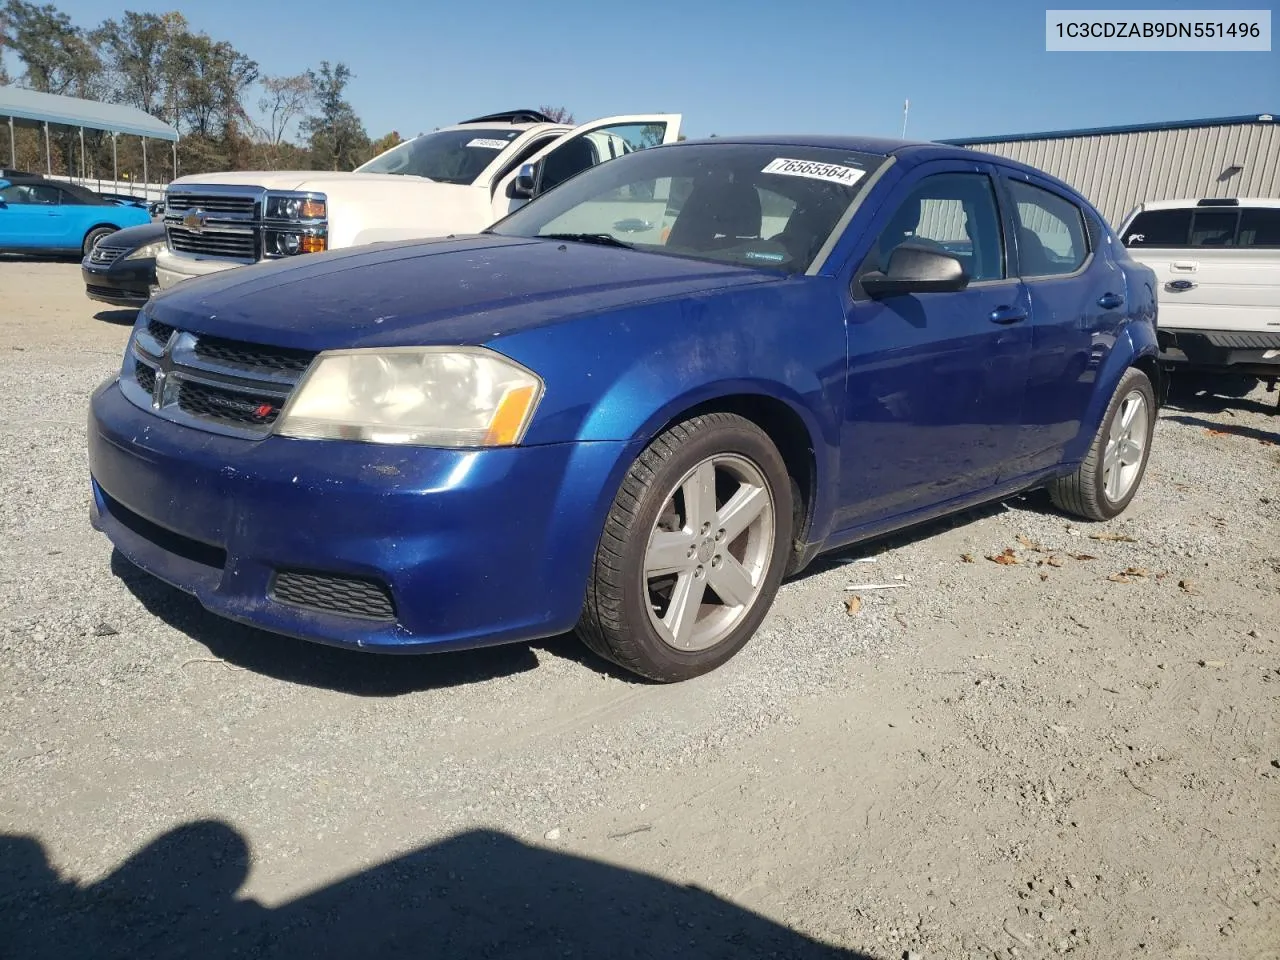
[1205, 227]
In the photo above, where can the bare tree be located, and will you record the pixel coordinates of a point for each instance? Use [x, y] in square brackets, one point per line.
[283, 100]
[557, 114]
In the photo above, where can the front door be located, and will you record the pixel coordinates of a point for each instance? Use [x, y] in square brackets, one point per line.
[30, 217]
[935, 381]
[586, 146]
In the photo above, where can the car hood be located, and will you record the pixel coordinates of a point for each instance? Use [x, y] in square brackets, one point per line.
[130, 238]
[290, 179]
[468, 290]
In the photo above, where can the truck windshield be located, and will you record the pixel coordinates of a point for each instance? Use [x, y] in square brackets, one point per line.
[757, 205]
[450, 156]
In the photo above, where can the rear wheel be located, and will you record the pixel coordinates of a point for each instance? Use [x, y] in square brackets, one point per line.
[1108, 479]
[693, 550]
[93, 236]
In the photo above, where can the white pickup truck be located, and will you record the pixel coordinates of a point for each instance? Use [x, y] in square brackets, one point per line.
[1218, 265]
[457, 179]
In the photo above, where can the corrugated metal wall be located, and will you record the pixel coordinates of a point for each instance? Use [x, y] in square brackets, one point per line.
[1117, 171]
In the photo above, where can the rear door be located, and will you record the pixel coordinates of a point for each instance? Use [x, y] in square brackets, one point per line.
[586, 146]
[1218, 266]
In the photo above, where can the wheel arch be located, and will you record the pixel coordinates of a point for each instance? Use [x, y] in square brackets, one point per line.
[786, 427]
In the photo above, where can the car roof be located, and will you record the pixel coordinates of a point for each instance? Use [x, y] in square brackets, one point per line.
[916, 151]
[1210, 203]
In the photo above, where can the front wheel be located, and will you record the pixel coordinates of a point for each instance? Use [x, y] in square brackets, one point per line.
[93, 236]
[1108, 479]
[693, 550]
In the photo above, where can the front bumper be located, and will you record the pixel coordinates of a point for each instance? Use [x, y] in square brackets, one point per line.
[1250, 353]
[472, 547]
[122, 284]
[172, 269]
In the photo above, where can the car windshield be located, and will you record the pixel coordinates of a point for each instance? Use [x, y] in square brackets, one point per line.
[450, 156]
[758, 205]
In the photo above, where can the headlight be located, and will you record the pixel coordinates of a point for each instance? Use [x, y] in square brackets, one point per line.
[288, 207]
[147, 251]
[431, 396]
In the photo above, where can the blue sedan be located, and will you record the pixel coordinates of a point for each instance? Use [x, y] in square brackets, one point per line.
[48, 216]
[632, 407]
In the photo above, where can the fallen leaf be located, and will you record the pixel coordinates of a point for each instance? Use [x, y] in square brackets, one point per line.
[1082, 556]
[1006, 559]
[1029, 544]
[1135, 571]
[1112, 537]
[853, 605]
[1044, 576]
[1119, 578]
[1054, 561]
[1215, 433]
[967, 557]
[1188, 586]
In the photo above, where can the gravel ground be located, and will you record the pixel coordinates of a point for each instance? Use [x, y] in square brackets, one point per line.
[1032, 759]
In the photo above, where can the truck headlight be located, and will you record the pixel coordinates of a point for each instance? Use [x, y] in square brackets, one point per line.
[292, 207]
[430, 396]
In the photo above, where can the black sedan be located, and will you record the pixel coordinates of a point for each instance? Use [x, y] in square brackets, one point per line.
[121, 269]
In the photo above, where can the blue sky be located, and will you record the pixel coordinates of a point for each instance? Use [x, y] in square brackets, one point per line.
[747, 66]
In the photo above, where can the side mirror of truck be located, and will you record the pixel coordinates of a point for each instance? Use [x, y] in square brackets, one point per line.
[525, 184]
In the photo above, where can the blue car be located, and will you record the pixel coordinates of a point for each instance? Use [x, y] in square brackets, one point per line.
[633, 406]
[48, 216]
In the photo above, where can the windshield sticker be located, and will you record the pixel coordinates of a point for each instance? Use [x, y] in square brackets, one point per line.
[762, 255]
[484, 144]
[833, 172]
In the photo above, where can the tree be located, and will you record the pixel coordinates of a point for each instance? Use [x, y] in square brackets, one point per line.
[56, 55]
[335, 133]
[282, 100]
[558, 114]
[215, 77]
[385, 143]
[141, 55]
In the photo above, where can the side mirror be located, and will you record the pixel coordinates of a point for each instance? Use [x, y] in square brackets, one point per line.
[3, 184]
[525, 184]
[916, 268]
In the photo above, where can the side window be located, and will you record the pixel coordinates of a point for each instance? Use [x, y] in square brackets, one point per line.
[1260, 227]
[596, 146]
[1214, 228]
[1051, 236]
[522, 156]
[30, 193]
[955, 212]
[1159, 228]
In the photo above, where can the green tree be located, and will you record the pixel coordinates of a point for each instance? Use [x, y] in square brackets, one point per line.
[337, 137]
[141, 55]
[384, 143]
[215, 78]
[56, 55]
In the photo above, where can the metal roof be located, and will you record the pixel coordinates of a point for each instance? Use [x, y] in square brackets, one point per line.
[22, 104]
[1130, 128]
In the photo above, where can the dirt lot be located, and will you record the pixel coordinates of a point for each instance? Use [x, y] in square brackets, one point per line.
[1048, 757]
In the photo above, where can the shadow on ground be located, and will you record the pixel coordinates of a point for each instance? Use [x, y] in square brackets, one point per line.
[335, 668]
[477, 894]
[122, 317]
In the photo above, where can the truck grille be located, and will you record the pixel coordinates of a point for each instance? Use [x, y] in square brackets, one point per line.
[215, 243]
[212, 383]
[211, 203]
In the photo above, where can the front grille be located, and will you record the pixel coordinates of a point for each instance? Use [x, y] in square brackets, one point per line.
[214, 243]
[101, 256]
[145, 375]
[160, 332]
[210, 203]
[333, 593]
[227, 406]
[253, 356]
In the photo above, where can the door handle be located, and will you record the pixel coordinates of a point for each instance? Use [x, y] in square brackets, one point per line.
[1178, 286]
[1005, 315]
[1109, 301]
[1186, 266]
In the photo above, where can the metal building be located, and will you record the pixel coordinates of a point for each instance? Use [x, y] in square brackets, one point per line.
[1119, 167]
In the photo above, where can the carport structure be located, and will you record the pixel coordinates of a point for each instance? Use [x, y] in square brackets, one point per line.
[30, 108]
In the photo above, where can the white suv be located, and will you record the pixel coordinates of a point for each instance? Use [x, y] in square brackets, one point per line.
[458, 179]
[1218, 265]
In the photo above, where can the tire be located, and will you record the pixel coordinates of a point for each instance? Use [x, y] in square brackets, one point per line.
[1097, 491]
[631, 615]
[93, 236]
